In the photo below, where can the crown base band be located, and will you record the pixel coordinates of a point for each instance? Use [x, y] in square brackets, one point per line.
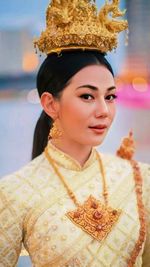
[59, 50]
[74, 42]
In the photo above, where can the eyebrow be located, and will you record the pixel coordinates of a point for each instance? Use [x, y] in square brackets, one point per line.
[94, 88]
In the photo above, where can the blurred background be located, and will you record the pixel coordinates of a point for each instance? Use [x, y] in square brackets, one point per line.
[20, 22]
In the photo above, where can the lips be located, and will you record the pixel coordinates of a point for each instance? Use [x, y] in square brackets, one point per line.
[99, 129]
[100, 126]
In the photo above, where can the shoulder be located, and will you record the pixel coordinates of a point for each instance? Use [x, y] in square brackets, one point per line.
[29, 185]
[19, 183]
[118, 171]
[115, 162]
[115, 165]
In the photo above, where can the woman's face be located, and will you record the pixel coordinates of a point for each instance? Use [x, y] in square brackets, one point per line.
[87, 106]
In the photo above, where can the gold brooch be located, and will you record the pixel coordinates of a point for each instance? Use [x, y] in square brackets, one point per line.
[94, 218]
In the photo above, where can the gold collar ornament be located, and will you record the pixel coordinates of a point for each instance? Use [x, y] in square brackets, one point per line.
[93, 217]
[77, 24]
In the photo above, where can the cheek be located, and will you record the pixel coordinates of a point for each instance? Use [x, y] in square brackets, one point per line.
[112, 111]
[74, 112]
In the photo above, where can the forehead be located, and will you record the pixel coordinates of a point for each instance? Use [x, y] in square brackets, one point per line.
[95, 75]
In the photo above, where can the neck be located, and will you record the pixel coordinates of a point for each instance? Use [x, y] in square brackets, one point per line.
[77, 151]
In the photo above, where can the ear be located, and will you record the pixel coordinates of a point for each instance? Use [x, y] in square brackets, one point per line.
[50, 105]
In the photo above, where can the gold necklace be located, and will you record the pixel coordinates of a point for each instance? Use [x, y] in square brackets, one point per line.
[93, 217]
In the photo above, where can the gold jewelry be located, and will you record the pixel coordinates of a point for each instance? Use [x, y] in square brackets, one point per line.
[92, 216]
[127, 147]
[126, 151]
[55, 132]
[77, 24]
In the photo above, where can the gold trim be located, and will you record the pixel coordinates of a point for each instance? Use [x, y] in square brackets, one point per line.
[142, 218]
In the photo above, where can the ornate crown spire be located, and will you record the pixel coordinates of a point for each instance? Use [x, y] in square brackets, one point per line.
[76, 24]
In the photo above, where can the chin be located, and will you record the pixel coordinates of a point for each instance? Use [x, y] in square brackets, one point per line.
[91, 140]
[96, 142]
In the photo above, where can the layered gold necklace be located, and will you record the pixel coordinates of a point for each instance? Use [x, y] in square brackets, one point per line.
[93, 217]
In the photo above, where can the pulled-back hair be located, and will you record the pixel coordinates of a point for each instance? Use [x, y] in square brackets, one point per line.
[53, 76]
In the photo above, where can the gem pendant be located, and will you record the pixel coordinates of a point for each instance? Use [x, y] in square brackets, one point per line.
[94, 218]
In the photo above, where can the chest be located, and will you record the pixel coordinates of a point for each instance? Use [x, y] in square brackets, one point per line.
[52, 239]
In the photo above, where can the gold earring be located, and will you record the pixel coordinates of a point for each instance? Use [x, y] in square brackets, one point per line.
[55, 132]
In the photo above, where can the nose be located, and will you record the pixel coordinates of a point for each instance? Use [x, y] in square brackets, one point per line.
[102, 109]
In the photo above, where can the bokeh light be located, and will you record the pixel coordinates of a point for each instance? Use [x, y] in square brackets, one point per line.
[140, 84]
[33, 97]
[30, 62]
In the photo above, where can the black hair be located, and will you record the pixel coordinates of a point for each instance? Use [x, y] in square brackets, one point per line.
[53, 76]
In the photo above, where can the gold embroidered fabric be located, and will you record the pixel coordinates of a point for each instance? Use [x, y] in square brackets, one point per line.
[33, 204]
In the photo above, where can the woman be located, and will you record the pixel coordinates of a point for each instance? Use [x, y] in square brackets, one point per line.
[41, 204]
[72, 206]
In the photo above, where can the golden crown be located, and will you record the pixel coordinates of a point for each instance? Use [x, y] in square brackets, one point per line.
[77, 24]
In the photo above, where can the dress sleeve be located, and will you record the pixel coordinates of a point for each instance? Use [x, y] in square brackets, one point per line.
[146, 197]
[10, 227]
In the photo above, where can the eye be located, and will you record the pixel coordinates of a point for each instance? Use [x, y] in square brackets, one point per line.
[111, 97]
[87, 96]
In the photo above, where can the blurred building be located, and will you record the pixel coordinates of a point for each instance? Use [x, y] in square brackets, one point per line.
[138, 56]
[17, 54]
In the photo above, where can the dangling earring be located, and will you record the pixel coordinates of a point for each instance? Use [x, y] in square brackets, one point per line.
[55, 132]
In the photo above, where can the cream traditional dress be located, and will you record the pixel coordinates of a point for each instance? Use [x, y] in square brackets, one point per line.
[34, 202]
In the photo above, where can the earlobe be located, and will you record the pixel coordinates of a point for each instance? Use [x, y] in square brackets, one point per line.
[49, 105]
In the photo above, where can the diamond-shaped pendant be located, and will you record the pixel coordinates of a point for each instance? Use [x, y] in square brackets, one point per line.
[94, 218]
